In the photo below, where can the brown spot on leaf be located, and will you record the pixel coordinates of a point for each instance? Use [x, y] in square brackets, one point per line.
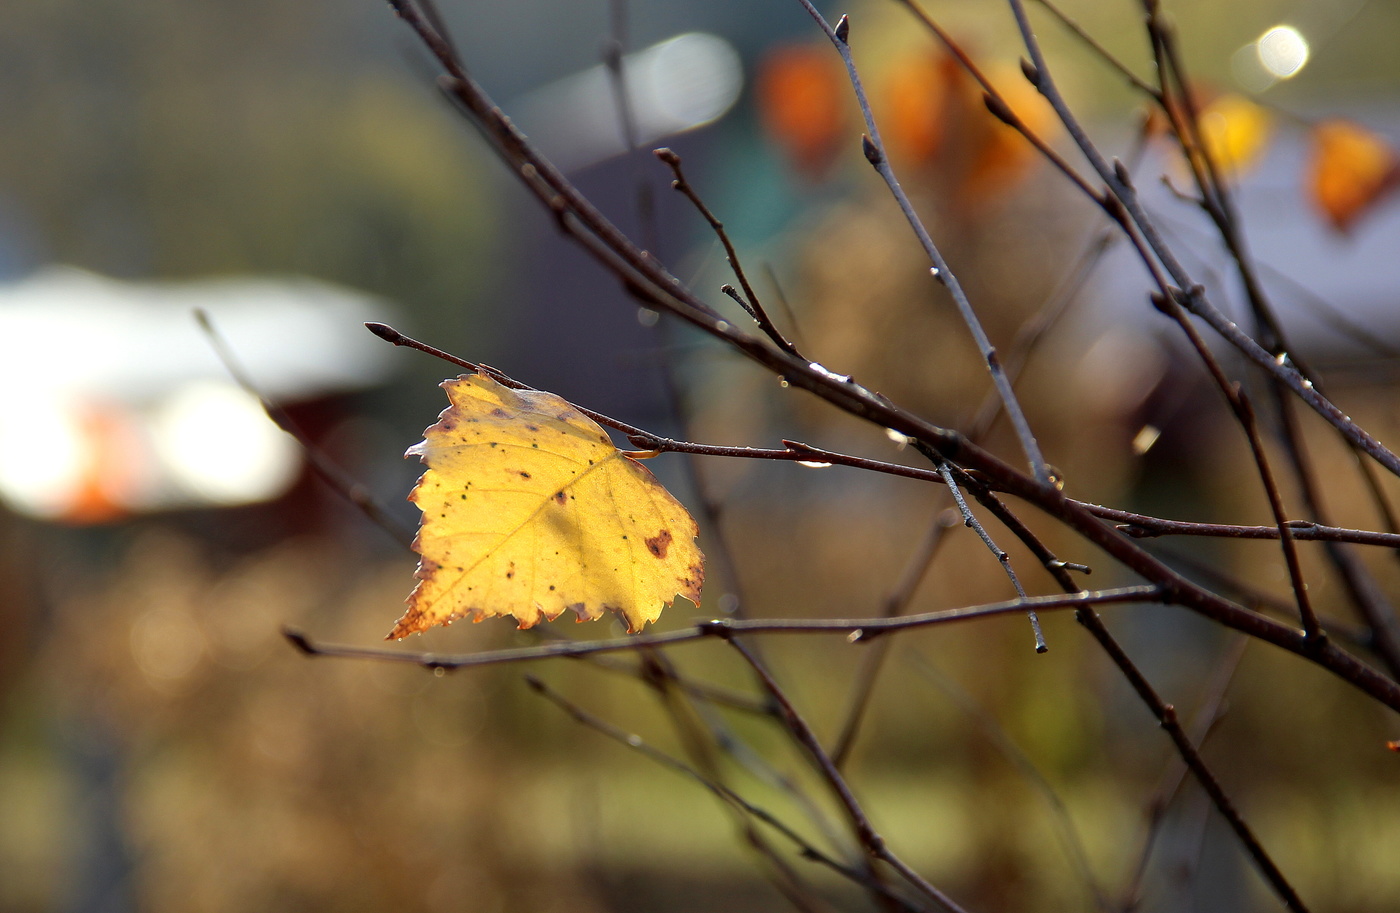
[559, 498]
[524, 474]
[500, 413]
[660, 544]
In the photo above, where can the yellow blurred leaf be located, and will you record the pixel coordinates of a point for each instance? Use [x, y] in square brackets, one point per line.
[529, 509]
[1235, 131]
[1352, 169]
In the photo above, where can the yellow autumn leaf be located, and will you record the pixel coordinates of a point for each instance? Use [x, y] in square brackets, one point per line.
[1235, 131]
[529, 509]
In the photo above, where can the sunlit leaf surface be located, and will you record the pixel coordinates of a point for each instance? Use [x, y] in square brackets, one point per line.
[529, 510]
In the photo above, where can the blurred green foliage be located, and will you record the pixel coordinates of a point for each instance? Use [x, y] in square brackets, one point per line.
[168, 140]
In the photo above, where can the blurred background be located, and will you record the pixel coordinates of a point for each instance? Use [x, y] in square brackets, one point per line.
[289, 170]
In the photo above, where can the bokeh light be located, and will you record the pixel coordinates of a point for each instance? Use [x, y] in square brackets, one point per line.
[1283, 51]
[217, 443]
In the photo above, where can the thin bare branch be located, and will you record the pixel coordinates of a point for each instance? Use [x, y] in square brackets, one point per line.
[857, 629]
[1164, 712]
[970, 520]
[1142, 526]
[1185, 291]
[644, 277]
[874, 150]
[750, 301]
[870, 839]
[1101, 52]
[893, 605]
[735, 800]
[341, 482]
[1210, 713]
[1167, 718]
[1018, 758]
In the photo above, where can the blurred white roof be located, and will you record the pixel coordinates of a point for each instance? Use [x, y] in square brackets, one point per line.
[1336, 295]
[113, 401]
[66, 331]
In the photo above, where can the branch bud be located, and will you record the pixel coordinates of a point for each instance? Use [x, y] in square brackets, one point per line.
[999, 109]
[872, 153]
[1029, 71]
[1120, 171]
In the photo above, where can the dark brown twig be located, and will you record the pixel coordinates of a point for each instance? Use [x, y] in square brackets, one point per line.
[1177, 102]
[1210, 713]
[870, 839]
[1101, 52]
[729, 796]
[1217, 201]
[1244, 414]
[1005, 745]
[998, 106]
[1186, 292]
[1134, 524]
[1165, 713]
[718, 695]
[1142, 526]
[1027, 339]
[857, 629]
[1167, 718]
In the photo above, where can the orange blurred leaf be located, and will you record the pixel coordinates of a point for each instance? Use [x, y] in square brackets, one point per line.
[913, 105]
[1352, 170]
[111, 466]
[1001, 156]
[529, 510]
[800, 91]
